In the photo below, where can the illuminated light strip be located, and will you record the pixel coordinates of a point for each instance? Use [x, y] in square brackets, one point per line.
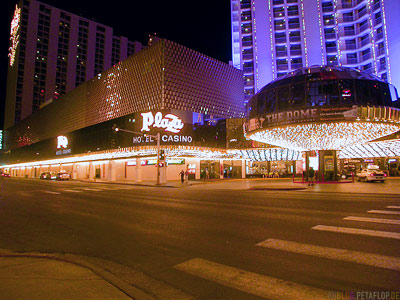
[337, 30]
[304, 33]
[383, 149]
[171, 151]
[386, 42]
[266, 154]
[14, 36]
[271, 39]
[321, 35]
[254, 34]
[372, 38]
[323, 136]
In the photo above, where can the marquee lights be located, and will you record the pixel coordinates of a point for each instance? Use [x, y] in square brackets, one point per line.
[390, 148]
[323, 136]
[14, 36]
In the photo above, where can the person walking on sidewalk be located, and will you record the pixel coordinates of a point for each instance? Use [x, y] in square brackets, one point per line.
[182, 173]
[311, 176]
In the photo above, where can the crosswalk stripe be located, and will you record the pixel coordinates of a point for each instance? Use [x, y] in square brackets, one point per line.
[385, 212]
[90, 189]
[393, 206]
[375, 260]
[385, 234]
[73, 191]
[249, 282]
[373, 220]
[53, 193]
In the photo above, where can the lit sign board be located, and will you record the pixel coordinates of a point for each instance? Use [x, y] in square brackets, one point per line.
[1, 139]
[14, 36]
[62, 142]
[170, 122]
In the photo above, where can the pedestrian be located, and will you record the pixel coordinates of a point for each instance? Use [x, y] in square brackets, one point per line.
[182, 173]
[311, 175]
[186, 176]
[207, 174]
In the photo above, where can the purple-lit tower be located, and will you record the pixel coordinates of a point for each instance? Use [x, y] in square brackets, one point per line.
[271, 38]
[53, 51]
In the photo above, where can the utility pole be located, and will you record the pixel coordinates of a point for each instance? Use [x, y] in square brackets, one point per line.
[157, 137]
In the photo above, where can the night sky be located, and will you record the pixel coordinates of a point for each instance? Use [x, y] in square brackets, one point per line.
[202, 26]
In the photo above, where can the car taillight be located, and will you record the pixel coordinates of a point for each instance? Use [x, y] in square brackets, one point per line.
[384, 174]
[372, 174]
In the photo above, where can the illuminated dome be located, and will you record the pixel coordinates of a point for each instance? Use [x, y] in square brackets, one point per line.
[323, 108]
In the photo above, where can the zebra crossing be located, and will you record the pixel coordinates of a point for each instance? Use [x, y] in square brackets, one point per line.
[274, 288]
[74, 190]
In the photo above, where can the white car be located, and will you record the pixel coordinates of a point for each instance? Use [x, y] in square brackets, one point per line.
[63, 175]
[372, 173]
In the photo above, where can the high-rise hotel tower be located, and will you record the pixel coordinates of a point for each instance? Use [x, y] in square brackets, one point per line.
[271, 38]
[53, 51]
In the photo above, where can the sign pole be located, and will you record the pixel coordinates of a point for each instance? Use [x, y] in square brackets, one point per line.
[158, 158]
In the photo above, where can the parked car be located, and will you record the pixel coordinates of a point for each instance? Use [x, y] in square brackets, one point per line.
[5, 175]
[48, 175]
[372, 173]
[63, 175]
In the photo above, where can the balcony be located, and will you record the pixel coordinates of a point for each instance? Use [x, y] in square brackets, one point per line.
[280, 40]
[380, 51]
[281, 53]
[330, 36]
[296, 52]
[282, 67]
[296, 66]
[331, 50]
[378, 21]
[248, 56]
[295, 38]
[352, 61]
[366, 56]
[365, 42]
[349, 32]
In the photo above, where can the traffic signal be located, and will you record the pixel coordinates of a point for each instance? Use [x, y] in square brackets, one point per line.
[162, 155]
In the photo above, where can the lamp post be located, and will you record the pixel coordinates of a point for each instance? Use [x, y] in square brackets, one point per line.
[157, 137]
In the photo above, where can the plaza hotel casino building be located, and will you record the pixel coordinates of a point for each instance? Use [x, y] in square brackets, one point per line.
[195, 104]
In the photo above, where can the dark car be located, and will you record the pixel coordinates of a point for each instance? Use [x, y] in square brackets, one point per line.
[48, 175]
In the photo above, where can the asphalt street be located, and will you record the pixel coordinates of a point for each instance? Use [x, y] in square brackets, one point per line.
[216, 241]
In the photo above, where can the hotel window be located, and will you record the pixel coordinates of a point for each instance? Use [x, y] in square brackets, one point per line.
[294, 23]
[279, 24]
[293, 10]
[99, 51]
[294, 36]
[246, 15]
[116, 50]
[281, 51]
[295, 50]
[280, 37]
[247, 41]
[279, 12]
[296, 63]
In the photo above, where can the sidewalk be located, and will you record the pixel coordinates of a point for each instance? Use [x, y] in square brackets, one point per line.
[38, 276]
[391, 186]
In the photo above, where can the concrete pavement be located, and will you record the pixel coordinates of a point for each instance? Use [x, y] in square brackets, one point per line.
[60, 277]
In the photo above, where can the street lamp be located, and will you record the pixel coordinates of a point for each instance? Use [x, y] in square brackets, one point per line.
[157, 137]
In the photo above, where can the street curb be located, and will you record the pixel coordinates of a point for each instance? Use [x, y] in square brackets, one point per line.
[124, 287]
[277, 188]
